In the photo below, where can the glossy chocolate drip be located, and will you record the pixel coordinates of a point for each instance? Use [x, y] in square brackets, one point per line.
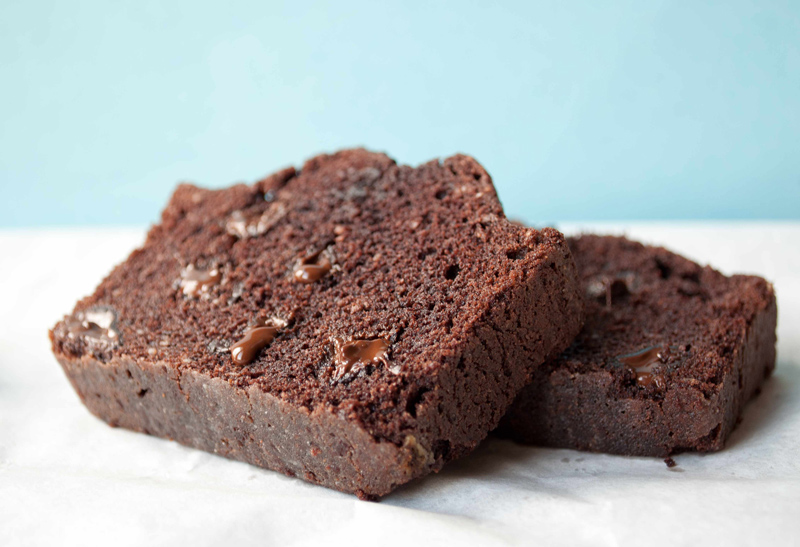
[351, 353]
[255, 339]
[312, 268]
[194, 280]
[644, 364]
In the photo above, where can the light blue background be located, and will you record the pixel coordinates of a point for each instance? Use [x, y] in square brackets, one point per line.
[580, 110]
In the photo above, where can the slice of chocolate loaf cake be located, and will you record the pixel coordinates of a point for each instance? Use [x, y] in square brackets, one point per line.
[356, 324]
[669, 355]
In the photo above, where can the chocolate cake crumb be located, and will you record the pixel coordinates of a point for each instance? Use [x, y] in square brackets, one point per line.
[356, 323]
[663, 366]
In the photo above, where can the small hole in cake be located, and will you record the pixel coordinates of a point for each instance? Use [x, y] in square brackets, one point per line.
[441, 449]
[618, 289]
[694, 277]
[515, 254]
[452, 272]
[664, 270]
[431, 306]
[414, 400]
[713, 435]
[128, 372]
[422, 255]
[441, 194]
[690, 291]
[476, 176]
[142, 393]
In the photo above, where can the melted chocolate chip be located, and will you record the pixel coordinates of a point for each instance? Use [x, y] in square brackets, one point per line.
[236, 293]
[195, 281]
[96, 326]
[643, 358]
[237, 225]
[270, 218]
[243, 226]
[596, 288]
[351, 353]
[313, 267]
[646, 379]
[644, 364]
[613, 288]
[255, 339]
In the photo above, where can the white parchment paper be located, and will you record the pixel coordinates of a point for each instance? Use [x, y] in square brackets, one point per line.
[68, 479]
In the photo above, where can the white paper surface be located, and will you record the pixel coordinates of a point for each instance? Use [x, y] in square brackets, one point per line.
[68, 479]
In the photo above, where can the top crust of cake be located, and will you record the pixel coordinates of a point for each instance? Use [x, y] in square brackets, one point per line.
[372, 276]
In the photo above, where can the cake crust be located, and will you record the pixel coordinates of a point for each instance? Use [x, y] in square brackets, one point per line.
[356, 323]
[670, 353]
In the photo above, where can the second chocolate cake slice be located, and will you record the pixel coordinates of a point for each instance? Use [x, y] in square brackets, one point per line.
[356, 324]
[670, 353]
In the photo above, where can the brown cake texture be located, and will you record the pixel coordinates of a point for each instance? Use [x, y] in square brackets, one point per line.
[356, 323]
[670, 353]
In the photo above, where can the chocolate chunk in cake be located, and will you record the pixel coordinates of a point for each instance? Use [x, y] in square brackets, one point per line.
[670, 353]
[356, 324]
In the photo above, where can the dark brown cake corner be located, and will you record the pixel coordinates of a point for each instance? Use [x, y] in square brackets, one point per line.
[356, 324]
[670, 353]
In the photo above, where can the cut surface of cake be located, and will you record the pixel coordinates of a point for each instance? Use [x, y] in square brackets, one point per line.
[356, 323]
[668, 357]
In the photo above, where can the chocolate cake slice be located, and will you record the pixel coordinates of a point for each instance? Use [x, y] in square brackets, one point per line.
[669, 355]
[356, 324]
